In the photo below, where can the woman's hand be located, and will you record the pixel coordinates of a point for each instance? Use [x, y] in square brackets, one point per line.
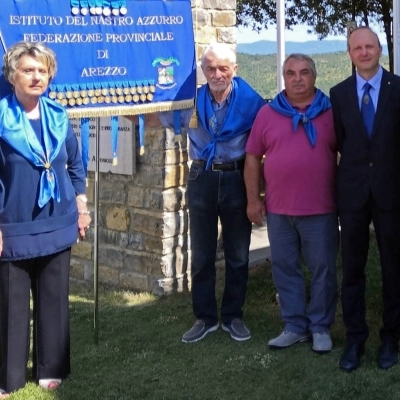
[84, 221]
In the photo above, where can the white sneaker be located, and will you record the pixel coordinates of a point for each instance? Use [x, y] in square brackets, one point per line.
[286, 339]
[322, 342]
[50, 384]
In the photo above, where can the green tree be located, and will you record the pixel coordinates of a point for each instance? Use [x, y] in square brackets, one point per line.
[324, 16]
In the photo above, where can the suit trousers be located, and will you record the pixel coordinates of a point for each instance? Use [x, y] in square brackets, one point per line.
[47, 278]
[355, 229]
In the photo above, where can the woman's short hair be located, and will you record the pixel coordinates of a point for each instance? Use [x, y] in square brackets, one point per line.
[35, 50]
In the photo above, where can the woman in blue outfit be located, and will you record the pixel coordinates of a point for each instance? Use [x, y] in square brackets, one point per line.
[42, 210]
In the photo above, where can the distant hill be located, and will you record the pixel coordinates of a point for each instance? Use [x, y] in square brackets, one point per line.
[310, 47]
[260, 70]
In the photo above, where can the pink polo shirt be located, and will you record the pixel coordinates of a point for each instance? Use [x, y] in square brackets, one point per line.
[300, 178]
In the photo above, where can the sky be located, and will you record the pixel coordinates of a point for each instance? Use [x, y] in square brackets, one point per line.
[298, 34]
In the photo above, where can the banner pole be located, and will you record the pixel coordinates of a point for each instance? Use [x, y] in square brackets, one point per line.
[96, 235]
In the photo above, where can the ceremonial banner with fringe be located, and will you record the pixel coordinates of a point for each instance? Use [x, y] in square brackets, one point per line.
[122, 57]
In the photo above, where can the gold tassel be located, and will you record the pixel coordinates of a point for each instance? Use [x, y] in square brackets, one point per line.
[141, 152]
[178, 138]
[194, 120]
[115, 161]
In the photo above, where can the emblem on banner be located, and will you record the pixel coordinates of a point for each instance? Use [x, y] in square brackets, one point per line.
[165, 72]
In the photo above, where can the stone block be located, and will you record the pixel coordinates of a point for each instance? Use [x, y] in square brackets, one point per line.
[199, 51]
[175, 175]
[136, 262]
[82, 250]
[157, 199]
[223, 18]
[147, 175]
[147, 223]
[162, 286]
[77, 270]
[220, 4]
[201, 16]
[181, 283]
[171, 243]
[154, 266]
[175, 156]
[108, 276]
[154, 157]
[112, 192]
[175, 223]
[226, 35]
[174, 263]
[111, 256]
[174, 199]
[116, 238]
[89, 272]
[153, 244]
[201, 79]
[118, 218]
[206, 34]
[132, 280]
[139, 196]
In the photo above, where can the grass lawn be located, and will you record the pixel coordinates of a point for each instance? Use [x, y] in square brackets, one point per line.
[140, 354]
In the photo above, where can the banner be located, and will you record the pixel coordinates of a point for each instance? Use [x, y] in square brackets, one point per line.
[115, 57]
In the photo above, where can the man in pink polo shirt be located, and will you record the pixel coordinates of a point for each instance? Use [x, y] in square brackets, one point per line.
[295, 134]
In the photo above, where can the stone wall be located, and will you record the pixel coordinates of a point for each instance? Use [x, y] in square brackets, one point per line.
[143, 218]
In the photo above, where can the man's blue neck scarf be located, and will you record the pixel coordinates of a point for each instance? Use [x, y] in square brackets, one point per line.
[320, 104]
[244, 104]
[16, 130]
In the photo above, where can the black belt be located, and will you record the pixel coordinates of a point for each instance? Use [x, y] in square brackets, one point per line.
[221, 166]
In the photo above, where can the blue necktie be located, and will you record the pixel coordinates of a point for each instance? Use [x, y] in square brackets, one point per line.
[367, 109]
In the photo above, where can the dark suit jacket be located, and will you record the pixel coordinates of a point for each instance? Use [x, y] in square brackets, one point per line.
[368, 165]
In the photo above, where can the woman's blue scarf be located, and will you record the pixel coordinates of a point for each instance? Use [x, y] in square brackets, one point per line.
[243, 107]
[16, 130]
[320, 104]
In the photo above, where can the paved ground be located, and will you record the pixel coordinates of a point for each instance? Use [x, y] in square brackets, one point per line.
[259, 246]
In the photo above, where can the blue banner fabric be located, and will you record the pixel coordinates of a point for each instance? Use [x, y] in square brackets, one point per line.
[115, 57]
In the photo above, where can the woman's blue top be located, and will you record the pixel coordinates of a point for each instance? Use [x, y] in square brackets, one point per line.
[28, 230]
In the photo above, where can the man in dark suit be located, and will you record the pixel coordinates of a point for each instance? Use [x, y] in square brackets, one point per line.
[366, 111]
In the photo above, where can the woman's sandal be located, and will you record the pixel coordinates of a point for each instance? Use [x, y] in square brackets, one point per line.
[49, 384]
[4, 394]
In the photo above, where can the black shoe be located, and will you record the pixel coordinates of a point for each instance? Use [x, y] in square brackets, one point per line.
[388, 355]
[198, 331]
[350, 359]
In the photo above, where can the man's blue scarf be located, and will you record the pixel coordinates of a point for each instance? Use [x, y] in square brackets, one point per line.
[320, 104]
[16, 130]
[243, 107]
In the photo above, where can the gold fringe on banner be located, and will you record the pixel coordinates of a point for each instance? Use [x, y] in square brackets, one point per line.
[129, 110]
